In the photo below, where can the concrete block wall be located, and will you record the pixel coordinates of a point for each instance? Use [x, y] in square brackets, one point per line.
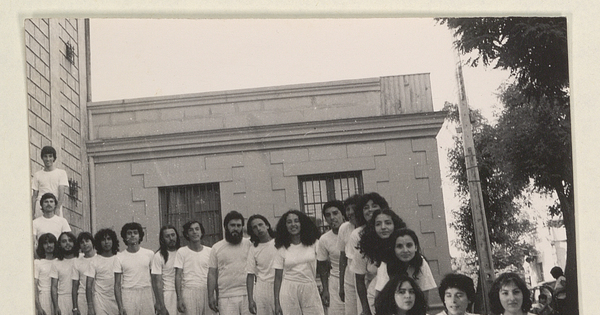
[57, 96]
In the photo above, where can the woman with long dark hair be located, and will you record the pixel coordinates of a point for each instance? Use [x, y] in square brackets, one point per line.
[61, 273]
[401, 296]
[295, 264]
[42, 266]
[509, 295]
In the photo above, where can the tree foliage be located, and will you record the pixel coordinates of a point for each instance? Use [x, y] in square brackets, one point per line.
[533, 132]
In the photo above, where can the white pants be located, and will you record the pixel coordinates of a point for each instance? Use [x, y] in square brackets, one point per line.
[298, 298]
[196, 301]
[263, 296]
[82, 304]
[65, 303]
[170, 299]
[336, 306]
[370, 284]
[138, 301]
[350, 302]
[46, 302]
[105, 305]
[235, 305]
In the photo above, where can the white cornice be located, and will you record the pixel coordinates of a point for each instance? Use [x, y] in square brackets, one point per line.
[270, 137]
[234, 96]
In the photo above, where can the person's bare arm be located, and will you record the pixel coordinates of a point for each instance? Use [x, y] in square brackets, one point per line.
[250, 278]
[61, 196]
[89, 295]
[213, 291]
[277, 289]
[33, 203]
[119, 294]
[343, 264]
[179, 290]
[54, 294]
[323, 271]
[74, 291]
[157, 287]
[361, 290]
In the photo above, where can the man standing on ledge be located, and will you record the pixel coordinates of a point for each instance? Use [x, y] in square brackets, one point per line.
[48, 180]
[227, 273]
[49, 222]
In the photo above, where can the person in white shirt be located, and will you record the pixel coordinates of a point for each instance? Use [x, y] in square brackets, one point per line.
[457, 292]
[347, 289]
[191, 272]
[100, 284]
[49, 222]
[61, 273]
[133, 287]
[48, 180]
[295, 264]
[80, 267]
[328, 257]
[163, 272]
[42, 268]
[259, 266]
[227, 273]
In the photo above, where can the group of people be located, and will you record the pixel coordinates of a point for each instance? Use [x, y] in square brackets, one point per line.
[368, 262]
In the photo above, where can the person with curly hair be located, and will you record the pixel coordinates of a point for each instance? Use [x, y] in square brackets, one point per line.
[407, 259]
[401, 296]
[163, 272]
[364, 211]
[100, 284]
[133, 287]
[347, 289]
[328, 257]
[457, 292]
[295, 264]
[509, 295]
[259, 266]
[80, 266]
[61, 273]
[42, 267]
[374, 247]
[191, 272]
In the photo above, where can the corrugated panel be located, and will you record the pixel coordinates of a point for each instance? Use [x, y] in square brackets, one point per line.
[406, 94]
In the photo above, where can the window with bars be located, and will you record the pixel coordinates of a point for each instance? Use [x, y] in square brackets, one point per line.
[202, 202]
[316, 190]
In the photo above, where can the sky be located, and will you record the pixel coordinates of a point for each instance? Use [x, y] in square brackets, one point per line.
[143, 58]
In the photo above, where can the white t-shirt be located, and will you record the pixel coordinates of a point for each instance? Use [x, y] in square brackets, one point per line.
[351, 251]
[48, 182]
[299, 262]
[260, 261]
[62, 270]
[194, 265]
[344, 235]
[424, 277]
[42, 268]
[328, 251]
[135, 268]
[166, 270]
[101, 269]
[54, 225]
[80, 267]
[363, 266]
[230, 262]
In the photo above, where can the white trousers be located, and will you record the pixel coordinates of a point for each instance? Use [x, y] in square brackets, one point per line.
[138, 301]
[263, 296]
[235, 305]
[336, 306]
[196, 301]
[298, 298]
[350, 302]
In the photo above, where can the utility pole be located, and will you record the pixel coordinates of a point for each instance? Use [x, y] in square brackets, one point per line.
[482, 238]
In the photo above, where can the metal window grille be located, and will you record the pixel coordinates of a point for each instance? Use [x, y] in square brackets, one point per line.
[202, 202]
[316, 190]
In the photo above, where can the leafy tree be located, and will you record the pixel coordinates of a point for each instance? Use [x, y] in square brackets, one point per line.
[533, 132]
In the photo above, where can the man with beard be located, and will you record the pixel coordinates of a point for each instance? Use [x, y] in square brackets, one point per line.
[61, 272]
[80, 266]
[191, 269]
[328, 258]
[49, 222]
[226, 273]
[259, 266]
[163, 273]
[132, 266]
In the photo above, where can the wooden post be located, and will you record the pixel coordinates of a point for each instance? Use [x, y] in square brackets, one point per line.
[482, 239]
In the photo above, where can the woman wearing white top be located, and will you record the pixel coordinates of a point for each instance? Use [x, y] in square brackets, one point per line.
[509, 295]
[295, 264]
[457, 292]
[42, 266]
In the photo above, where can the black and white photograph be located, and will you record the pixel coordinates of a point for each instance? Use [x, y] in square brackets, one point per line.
[312, 165]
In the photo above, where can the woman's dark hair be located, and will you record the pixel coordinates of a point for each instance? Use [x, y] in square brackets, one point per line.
[502, 280]
[385, 304]
[336, 204]
[45, 238]
[101, 235]
[163, 249]
[352, 200]
[556, 272]
[232, 215]
[60, 252]
[371, 245]
[460, 282]
[48, 150]
[48, 196]
[309, 233]
[84, 236]
[253, 237]
[395, 265]
[359, 211]
[186, 229]
[132, 226]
